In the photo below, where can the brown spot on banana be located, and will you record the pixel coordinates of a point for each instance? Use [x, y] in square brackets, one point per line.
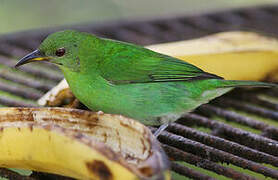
[146, 170]
[99, 169]
[31, 127]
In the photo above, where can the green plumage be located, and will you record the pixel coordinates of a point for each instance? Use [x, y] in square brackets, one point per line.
[121, 78]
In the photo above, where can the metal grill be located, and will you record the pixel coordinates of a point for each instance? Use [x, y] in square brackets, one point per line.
[235, 136]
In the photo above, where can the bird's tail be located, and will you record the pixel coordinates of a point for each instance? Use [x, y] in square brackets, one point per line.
[235, 83]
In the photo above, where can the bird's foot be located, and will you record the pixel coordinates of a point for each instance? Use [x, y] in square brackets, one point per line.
[160, 129]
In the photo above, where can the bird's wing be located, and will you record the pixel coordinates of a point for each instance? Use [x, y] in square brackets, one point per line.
[139, 65]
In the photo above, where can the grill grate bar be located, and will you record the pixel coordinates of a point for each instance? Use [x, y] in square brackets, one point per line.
[222, 144]
[228, 102]
[271, 133]
[230, 19]
[27, 81]
[47, 176]
[267, 130]
[252, 98]
[126, 35]
[201, 22]
[214, 154]
[13, 175]
[273, 93]
[21, 91]
[26, 45]
[182, 170]
[147, 30]
[26, 40]
[13, 51]
[179, 155]
[232, 116]
[168, 30]
[10, 50]
[222, 130]
[34, 70]
[16, 103]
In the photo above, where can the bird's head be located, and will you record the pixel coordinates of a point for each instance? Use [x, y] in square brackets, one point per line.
[60, 48]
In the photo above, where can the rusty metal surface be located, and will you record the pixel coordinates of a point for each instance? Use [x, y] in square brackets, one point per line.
[239, 128]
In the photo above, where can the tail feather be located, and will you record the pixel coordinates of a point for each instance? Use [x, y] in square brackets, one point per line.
[234, 83]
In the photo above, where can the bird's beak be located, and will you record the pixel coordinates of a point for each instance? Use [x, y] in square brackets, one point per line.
[33, 56]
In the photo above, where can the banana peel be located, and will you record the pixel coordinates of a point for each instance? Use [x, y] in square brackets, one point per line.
[232, 55]
[59, 96]
[79, 144]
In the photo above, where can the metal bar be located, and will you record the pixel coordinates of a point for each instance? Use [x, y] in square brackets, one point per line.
[25, 80]
[273, 92]
[227, 102]
[230, 19]
[246, 138]
[222, 144]
[253, 98]
[21, 91]
[10, 50]
[208, 109]
[267, 131]
[185, 171]
[15, 103]
[147, 29]
[124, 34]
[214, 154]
[48, 176]
[179, 155]
[27, 40]
[168, 31]
[13, 175]
[35, 70]
[271, 133]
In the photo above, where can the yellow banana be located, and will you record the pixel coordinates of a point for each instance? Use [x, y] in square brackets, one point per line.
[79, 144]
[232, 55]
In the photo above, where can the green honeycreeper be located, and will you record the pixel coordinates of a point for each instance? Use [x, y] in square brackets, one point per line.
[121, 78]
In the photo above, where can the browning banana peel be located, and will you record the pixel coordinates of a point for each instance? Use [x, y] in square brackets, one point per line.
[79, 144]
[59, 96]
[232, 55]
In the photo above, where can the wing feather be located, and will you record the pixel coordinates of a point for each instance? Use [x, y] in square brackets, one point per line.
[134, 64]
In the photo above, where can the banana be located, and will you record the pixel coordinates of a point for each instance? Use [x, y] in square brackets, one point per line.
[232, 55]
[58, 95]
[79, 144]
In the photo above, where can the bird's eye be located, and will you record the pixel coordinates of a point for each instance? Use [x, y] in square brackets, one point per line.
[60, 52]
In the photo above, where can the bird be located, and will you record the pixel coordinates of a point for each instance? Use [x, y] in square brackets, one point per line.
[122, 78]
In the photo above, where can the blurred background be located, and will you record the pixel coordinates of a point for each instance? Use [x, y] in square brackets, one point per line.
[17, 15]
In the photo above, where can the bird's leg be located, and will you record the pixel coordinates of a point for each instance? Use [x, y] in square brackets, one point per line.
[160, 129]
